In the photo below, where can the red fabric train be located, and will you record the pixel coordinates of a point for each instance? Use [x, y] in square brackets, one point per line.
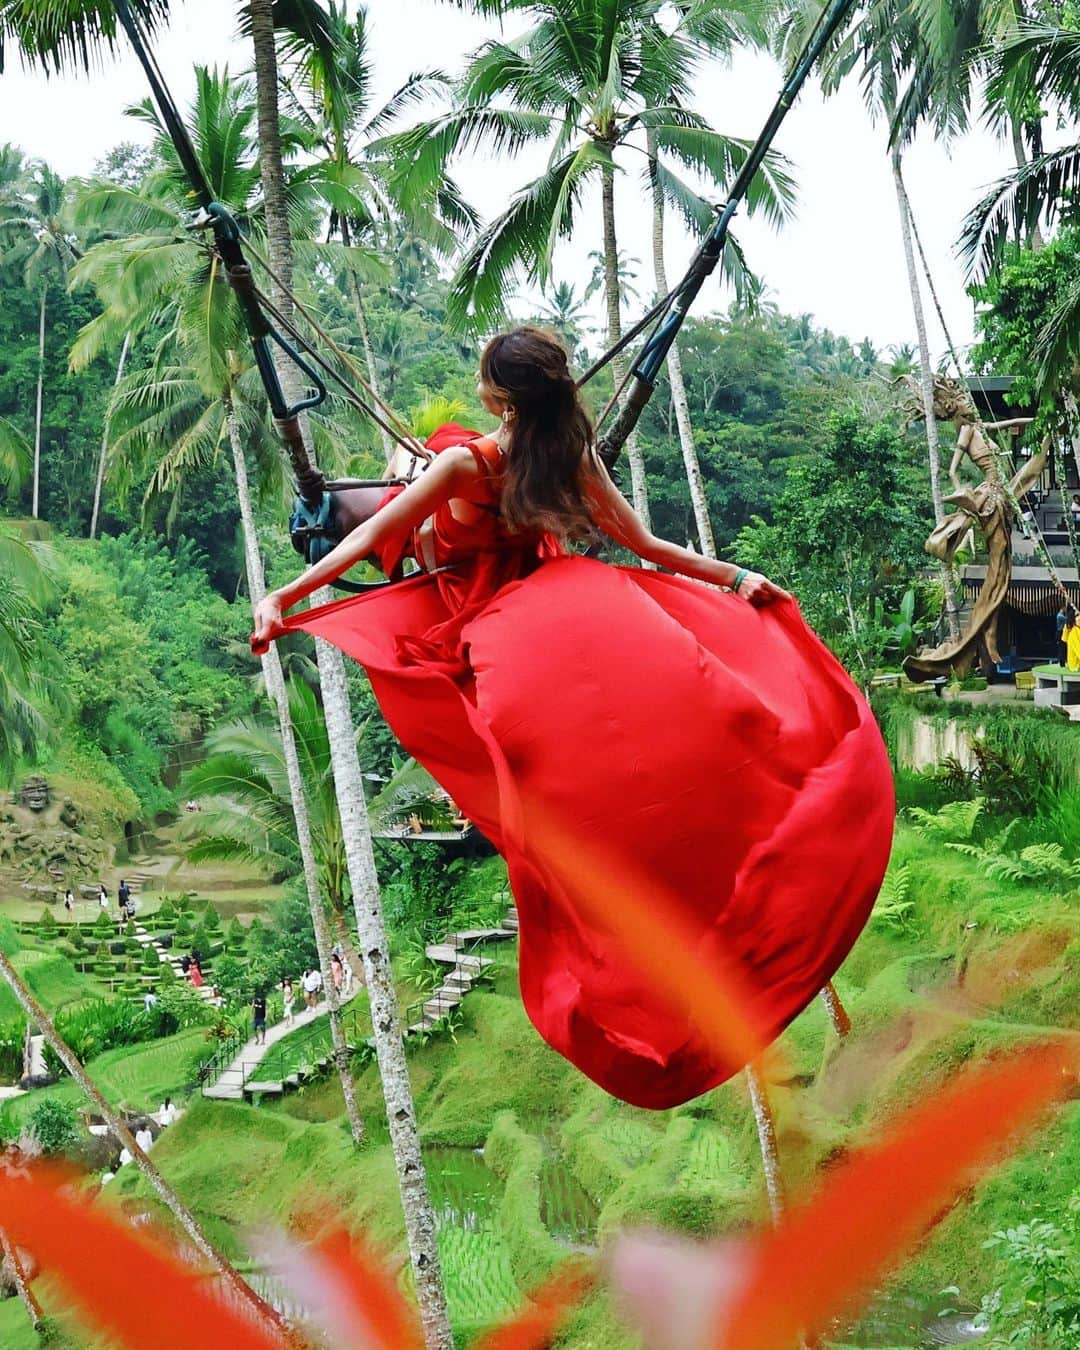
[717, 750]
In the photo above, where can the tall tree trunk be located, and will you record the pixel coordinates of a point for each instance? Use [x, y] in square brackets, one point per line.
[1035, 240]
[638, 483]
[276, 688]
[105, 441]
[40, 397]
[420, 1225]
[22, 1283]
[838, 1014]
[926, 386]
[389, 1046]
[365, 337]
[235, 1283]
[679, 400]
[766, 1131]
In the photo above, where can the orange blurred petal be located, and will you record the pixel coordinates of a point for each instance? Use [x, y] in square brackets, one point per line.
[536, 1324]
[655, 933]
[123, 1284]
[828, 1254]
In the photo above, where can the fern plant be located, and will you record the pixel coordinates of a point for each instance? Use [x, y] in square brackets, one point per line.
[954, 821]
[1040, 864]
[894, 906]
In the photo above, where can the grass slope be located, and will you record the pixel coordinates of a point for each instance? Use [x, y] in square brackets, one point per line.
[925, 998]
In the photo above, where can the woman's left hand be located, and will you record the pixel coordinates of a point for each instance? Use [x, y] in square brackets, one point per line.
[758, 590]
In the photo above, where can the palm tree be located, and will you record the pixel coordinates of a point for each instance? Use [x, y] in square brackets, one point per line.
[588, 79]
[887, 50]
[1044, 60]
[676, 53]
[250, 816]
[24, 658]
[566, 314]
[39, 221]
[149, 274]
[328, 90]
[371, 928]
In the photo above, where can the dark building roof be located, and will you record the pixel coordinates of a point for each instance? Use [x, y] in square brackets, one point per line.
[990, 394]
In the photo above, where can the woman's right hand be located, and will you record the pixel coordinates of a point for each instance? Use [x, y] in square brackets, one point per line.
[759, 591]
[269, 623]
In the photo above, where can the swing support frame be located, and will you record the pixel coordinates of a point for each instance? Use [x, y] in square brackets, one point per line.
[313, 523]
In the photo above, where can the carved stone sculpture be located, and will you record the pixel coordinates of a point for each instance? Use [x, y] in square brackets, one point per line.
[988, 506]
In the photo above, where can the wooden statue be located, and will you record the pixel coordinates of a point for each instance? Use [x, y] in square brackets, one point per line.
[987, 505]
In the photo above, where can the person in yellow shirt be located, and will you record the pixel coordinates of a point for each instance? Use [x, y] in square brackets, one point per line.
[1071, 638]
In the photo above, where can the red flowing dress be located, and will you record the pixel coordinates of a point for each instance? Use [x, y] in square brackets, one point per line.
[718, 750]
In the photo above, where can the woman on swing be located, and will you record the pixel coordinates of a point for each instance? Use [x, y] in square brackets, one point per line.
[705, 739]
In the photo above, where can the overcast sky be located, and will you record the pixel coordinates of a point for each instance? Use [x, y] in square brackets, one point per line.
[840, 259]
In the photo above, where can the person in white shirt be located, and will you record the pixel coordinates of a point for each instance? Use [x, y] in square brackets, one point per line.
[312, 983]
[145, 1138]
[167, 1114]
[125, 1156]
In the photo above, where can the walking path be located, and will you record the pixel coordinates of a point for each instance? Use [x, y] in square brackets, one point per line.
[238, 1077]
[456, 950]
[144, 939]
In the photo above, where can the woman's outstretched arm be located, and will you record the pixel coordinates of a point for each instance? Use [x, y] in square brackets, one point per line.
[613, 514]
[450, 475]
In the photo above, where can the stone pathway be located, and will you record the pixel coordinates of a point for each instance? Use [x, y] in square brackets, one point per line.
[238, 1078]
[144, 939]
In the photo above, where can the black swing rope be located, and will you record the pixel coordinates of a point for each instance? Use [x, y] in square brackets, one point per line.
[312, 522]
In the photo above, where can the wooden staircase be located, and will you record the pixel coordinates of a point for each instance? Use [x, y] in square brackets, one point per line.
[457, 950]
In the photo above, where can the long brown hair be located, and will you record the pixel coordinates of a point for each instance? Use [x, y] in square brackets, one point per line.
[552, 433]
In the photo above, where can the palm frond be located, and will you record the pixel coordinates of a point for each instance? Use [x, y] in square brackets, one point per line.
[57, 33]
[1016, 203]
[519, 240]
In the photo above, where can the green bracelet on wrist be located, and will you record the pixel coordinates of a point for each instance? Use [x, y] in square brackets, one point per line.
[740, 577]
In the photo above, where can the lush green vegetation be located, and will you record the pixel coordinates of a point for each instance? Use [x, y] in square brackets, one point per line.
[127, 683]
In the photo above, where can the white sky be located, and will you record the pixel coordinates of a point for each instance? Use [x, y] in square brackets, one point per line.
[840, 260]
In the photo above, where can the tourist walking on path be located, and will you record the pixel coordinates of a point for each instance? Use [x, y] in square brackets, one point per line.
[167, 1114]
[312, 983]
[69, 904]
[103, 896]
[288, 997]
[336, 972]
[195, 974]
[258, 1011]
[124, 896]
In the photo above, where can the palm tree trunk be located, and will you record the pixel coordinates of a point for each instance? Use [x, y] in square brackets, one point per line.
[679, 400]
[22, 1283]
[638, 482]
[420, 1225]
[371, 929]
[365, 337]
[40, 397]
[275, 685]
[926, 386]
[838, 1014]
[766, 1132]
[1035, 240]
[105, 441]
[233, 1281]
